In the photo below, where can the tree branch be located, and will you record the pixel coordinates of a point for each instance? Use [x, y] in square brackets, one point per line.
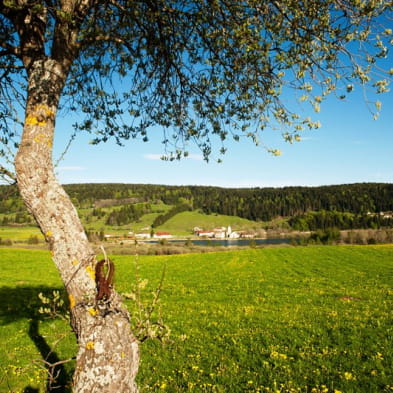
[6, 173]
[9, 50]
[30, 25]
[69, 19]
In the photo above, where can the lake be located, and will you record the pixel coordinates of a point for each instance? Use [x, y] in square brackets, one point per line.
[228, 242]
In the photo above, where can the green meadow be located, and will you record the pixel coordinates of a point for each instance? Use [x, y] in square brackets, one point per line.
[301, 319]
[19, 234]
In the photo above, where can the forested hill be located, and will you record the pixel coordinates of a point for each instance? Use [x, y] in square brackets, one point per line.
[252, 203]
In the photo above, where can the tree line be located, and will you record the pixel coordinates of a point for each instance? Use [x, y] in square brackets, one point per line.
[163, 218]
[343, 206]
[127, 214]
[313, 221]
[252, 203]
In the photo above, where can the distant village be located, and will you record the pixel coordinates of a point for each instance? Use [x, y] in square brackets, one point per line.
[223, 233]
[216, 233]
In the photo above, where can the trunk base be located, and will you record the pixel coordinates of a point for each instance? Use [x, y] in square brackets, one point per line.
[108, 357]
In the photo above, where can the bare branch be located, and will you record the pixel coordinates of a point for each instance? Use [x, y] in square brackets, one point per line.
[7, 175]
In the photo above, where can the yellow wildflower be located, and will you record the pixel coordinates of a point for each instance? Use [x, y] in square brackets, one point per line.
[348, 376]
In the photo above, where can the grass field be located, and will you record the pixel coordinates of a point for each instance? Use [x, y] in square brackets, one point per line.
[19, 234]
[306, 319]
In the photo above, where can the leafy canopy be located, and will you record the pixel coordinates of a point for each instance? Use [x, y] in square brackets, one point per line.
[199, 69]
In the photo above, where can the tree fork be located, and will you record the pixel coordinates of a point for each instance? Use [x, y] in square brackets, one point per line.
[108, 353]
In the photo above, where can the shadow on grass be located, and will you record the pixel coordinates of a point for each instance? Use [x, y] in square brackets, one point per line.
[23, 303]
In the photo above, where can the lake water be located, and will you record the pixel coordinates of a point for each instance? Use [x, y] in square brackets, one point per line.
[229, 242]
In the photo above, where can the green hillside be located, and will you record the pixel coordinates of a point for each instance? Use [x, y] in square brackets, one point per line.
[121, 208]
[184, 223]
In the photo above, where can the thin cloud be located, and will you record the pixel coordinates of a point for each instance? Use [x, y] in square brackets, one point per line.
[153, 157]
[196, 157]
[308, 138]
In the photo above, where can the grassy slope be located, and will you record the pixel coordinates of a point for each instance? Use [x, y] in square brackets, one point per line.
[181, 225]
[282, 320]
[184, 223]
[19, 234]
[145, 221]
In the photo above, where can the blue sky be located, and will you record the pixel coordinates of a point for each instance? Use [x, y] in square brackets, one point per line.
[350, 147]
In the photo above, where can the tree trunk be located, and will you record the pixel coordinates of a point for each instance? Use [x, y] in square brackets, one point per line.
[108, 354]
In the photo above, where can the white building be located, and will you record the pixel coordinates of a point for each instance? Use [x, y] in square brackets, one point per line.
[206, 233]
[219, 234]
[142, 235]
[162, 235]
